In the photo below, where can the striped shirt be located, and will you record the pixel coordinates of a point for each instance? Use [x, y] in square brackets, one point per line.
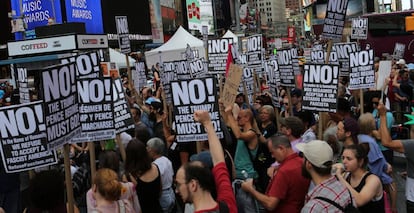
[331, 189]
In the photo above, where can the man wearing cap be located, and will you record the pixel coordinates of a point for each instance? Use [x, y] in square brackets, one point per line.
[292, 127]
[287, 188]
[318, 160]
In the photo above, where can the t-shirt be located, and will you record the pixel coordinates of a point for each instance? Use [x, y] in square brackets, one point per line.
[223, 188]
[166, 170]
[242, 160]
[289, 185]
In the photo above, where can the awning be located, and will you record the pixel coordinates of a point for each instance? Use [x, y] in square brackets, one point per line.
[35, 58]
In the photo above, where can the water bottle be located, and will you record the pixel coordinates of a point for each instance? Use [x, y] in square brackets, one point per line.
[245, 174]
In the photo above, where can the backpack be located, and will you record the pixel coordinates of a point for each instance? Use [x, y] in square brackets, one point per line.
[349, 208]
[261, 162]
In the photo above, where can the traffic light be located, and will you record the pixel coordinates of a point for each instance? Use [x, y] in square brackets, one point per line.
[409, 23]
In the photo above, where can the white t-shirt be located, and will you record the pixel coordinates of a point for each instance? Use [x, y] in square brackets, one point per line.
[165, 166]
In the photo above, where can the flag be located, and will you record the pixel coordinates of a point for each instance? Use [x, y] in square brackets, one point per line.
[229, 58]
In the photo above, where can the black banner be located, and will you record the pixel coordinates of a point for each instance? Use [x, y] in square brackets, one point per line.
[335, 19]
[123, 116]
[362, 74]
[189, 96]
[320, 83]
[88, 65]
[342, 51]
[272, 70]
[254, 51]
[217, 54]
[284, 60]
[60, 104]
[23, 138]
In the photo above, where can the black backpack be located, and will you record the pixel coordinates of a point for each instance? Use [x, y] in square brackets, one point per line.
[349, 208]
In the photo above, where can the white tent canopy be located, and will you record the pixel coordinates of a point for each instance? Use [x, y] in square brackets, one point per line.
[230, 34]
[174, 48]
[119, 58]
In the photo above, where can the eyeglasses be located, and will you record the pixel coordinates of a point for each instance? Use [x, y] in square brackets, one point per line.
[286, 104]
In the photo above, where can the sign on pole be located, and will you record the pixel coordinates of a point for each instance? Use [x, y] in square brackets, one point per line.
[123, 34]
[359, 28]
[335, 19]
[284, 60]
[189, 96]
[362, 74]
[218, 50]
[231, 85]
[320, 83]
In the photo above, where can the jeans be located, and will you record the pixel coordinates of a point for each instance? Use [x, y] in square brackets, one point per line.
[167, 200]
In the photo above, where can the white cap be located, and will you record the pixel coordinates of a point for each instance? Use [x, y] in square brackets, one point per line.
[317, 152]
[401, 62]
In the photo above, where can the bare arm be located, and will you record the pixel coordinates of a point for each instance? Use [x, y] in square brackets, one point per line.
[270, 203]
[216, 151]
[386, 140]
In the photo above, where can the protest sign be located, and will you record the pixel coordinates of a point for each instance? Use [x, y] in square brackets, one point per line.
[110, 69]
[254, 51]
[334, 19]
[399, 51]
[342, 51]
[231, 85]
[139, 77]
[272, 70]
[123, 34]
[384, 71]
[167, 75]
[217, 54]
[123, 116]
[284, 60]
[359, 28]
[23, 138]
[60, 104]
[319, 57]
[295, 61]
[198, 68]
[248, 82]
[88, 65]
[189, 96]
[96, 110]
[182, 71]
[362, 75]
[23, 82]
[320, 83]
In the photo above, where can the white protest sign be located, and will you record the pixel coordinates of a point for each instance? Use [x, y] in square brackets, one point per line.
[362, 75]
[319, 57]
[23, 138]
[342, 51]
[359, 28]
[123, 34]
[138, 76]
[320, 83]
[335, 19]
[284, 60]
[383, 73]
[189, 96]
[61, 104]
[88, 65]
[198, 67]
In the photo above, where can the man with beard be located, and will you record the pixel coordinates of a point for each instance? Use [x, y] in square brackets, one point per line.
[195, 183]
[318, 159]
[287, 188]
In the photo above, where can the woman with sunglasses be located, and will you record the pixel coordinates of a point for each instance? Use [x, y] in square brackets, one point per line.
[364, 186]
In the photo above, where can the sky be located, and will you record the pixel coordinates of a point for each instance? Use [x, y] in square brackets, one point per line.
[406, 4]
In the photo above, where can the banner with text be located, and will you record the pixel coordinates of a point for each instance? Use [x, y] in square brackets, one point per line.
[23, 138]
[123, 116]
[284, 60]
[96, 110]
[139, 77]
[217, 54]
[359, 28]
[60, 104]
[254, 52]
[399, 51]
[320, 83]
[342, 51]
[248, 81]
[189, 96]
[88, 65]
[335, 19]
[23, 82]
[272, 71]
[319, 57]
[167, 75]
[362, 74]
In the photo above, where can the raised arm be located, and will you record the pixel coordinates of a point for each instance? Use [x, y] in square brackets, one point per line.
[386, 140]
[216, 151]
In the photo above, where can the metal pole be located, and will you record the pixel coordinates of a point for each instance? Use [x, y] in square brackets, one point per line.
[236, 10]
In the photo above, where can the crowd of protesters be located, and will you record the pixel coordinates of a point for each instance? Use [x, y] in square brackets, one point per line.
[270, 159]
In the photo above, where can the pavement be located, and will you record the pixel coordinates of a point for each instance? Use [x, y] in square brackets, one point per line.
[400, 166]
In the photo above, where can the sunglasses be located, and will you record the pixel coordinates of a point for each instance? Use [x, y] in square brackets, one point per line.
[286, 103]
